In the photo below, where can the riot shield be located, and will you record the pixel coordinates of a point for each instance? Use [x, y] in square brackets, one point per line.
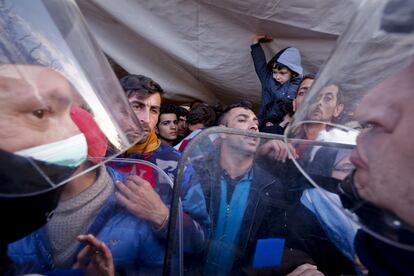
[121, 169]
[64, 100]
[264, 217]
[137, 246]
[365, 81]
[61, 105]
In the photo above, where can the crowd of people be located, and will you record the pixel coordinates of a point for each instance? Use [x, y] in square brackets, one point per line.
[246, 208]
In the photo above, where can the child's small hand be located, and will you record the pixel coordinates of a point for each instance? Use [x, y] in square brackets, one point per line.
[262, 38]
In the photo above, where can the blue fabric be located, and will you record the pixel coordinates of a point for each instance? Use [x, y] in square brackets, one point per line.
[131, 241]
[268, 253]
[193, 200]
[271, 89]
[230, 217]
[290, 58]
[66, 272]
[195, 218]
[340, 229]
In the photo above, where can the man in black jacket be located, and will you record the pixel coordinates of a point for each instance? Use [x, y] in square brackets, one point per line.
[250, 209]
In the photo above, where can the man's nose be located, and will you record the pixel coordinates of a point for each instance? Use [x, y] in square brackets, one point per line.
[319, 102]
[144, 115]
[254, 126]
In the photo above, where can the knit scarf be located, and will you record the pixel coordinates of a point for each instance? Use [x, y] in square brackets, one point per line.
[74, 216]
[151, 144]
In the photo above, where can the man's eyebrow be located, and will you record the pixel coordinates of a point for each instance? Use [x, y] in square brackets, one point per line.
[8, 83]
[135, 101]
[58, 98]
[245, 116]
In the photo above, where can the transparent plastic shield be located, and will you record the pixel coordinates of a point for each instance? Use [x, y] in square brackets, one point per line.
[137, 247]
[263, 215]
[61, 104]
[377, 47]
[150, 254]
[328, 154]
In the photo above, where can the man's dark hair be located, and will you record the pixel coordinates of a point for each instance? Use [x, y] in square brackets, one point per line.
[244, 104]
[139, 84]
[167, 109]
[307, 77]
[218, 109]
[339, 96]
[203, 114]
[195, 103]
[181, 112]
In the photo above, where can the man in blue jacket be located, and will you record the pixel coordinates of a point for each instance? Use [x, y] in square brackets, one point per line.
[88, 205]
[146, 199]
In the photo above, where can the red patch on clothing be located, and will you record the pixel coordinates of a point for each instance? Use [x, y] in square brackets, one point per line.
[142, 170]
[184, 144]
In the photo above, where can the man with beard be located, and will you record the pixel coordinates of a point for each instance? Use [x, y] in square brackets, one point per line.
[142, 196]
[248, 207]
[230, 189]
[327, 107]
[304, 86]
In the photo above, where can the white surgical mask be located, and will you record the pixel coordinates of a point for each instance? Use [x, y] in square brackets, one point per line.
[70, 152]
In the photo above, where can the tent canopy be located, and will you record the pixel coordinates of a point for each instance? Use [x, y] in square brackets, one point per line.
[201, 49]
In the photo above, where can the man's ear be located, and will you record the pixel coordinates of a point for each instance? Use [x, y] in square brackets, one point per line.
[157, 131]
[338, 110]
[222, 135]
[294, 105]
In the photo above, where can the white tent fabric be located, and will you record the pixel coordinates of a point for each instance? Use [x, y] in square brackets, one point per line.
[201, 49]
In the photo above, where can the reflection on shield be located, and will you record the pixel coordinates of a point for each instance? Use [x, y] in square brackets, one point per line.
[377, 44]
[264, 216]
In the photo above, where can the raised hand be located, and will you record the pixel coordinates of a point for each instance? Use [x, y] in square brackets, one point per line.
[262, 38]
